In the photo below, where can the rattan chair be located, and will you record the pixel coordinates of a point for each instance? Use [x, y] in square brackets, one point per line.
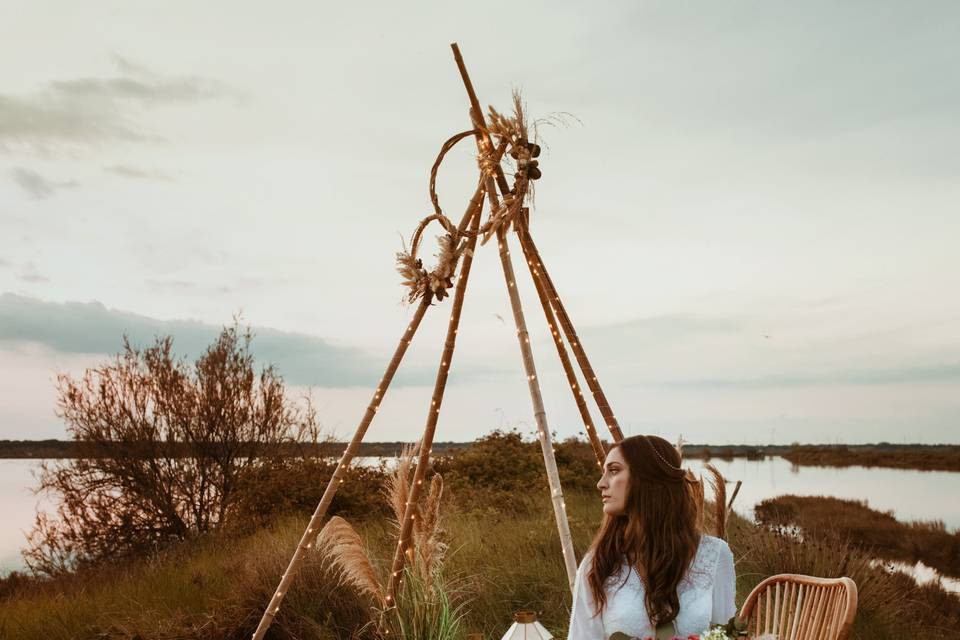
[795, 607]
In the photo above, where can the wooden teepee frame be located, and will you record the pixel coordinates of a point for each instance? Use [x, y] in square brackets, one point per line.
[506, 210]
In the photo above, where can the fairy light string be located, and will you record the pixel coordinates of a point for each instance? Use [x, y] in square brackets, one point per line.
[426, 442]
[458, 247]
[337, 478]
[575, 388]
[484, 145]
[571, 335]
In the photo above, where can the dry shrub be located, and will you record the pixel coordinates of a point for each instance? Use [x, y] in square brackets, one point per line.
[284, 486]
[578, 466]
[763, 553]
[497, 472]
[501, 473]
[213, 587]
[874, 532]
[313, 608]
[163, 444]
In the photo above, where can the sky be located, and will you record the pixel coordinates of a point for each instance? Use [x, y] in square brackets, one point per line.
[749, 209]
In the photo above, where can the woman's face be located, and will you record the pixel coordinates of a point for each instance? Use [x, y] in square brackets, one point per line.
[614, 483]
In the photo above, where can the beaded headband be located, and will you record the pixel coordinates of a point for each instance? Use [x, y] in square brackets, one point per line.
[662, 459]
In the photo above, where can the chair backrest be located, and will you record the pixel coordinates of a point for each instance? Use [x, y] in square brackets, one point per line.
[795, 607]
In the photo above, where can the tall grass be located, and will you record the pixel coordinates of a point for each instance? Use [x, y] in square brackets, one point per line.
[428, 605]
[504, 555]
[217, 588]
[876, 532]
[891, 605]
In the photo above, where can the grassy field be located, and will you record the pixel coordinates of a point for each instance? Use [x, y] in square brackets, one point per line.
[504, 555]
[217, 587]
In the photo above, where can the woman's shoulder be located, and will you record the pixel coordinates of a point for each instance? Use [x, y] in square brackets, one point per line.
[712, 549]
[586, 562]
[713, 544]
[702, 571]
[712, 541]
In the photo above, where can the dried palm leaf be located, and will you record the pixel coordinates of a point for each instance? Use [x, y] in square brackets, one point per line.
[342, 547]
[719, 485]
[428, 530]
[398, 485]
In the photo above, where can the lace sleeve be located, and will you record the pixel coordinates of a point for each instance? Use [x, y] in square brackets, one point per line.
[584, 625]
[724, 586]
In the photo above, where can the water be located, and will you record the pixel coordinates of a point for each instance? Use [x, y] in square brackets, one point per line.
[923, 574]
[18, 505]
[910, 495]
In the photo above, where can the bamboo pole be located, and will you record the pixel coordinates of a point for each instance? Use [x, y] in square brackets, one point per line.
[523, 231]
[426, 442]
[477, 115]
[588, 373]
[485, 146]
[566, 323]
[313, 527]
[540, 414]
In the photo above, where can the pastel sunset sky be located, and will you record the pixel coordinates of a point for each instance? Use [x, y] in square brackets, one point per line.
[751, 211]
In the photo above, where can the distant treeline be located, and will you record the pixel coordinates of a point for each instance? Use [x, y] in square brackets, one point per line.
[937, 457]
[926, 458]
[74, 449]
[884, 454]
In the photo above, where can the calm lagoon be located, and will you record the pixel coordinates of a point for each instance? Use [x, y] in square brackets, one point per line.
[910, 495]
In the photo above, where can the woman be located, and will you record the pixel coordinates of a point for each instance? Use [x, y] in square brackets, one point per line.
[650, 572]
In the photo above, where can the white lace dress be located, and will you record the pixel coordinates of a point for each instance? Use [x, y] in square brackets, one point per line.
[707, 594]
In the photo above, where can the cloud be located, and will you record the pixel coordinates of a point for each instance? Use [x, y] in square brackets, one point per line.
[241, 283]
[179, 286]
[95, 109]
[30, 273]
[36, 185]
[660, 333]
[148, 92]
[128, 171]
[90, 327]
[747, 352]
[674, 325]
[937, 372]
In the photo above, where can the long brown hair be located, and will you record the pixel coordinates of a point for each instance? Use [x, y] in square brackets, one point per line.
[658, 533]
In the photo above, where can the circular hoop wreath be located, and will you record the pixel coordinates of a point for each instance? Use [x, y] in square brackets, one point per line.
[511, 133]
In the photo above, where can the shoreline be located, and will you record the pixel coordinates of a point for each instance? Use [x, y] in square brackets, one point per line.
[873, 531]
[920, 457]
